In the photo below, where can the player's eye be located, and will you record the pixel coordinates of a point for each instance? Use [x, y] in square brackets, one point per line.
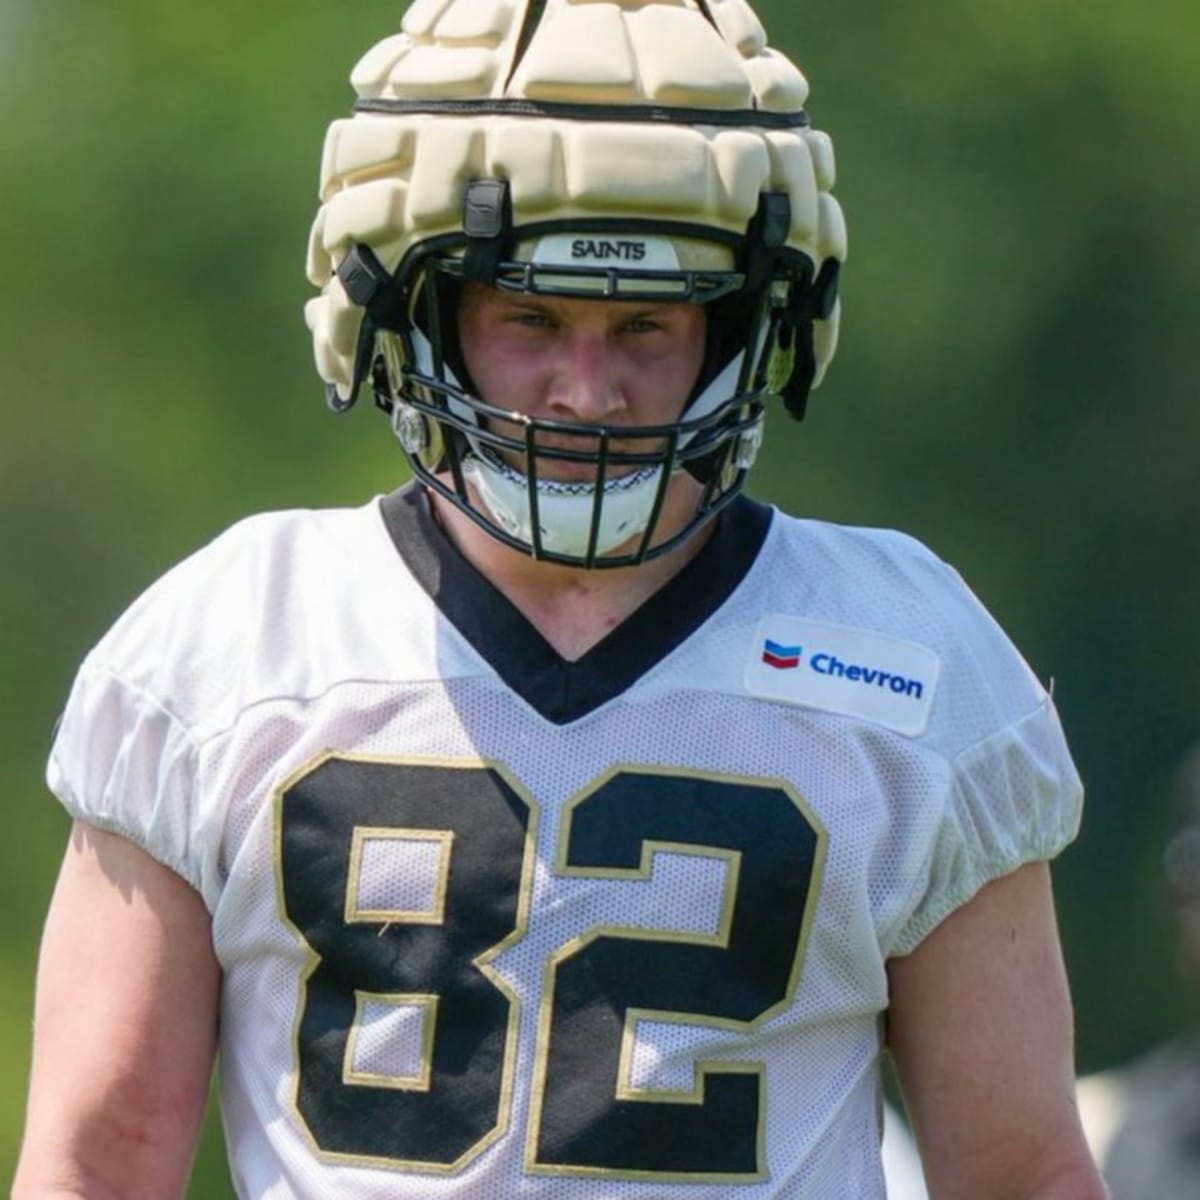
[644, 325]
[531, 319]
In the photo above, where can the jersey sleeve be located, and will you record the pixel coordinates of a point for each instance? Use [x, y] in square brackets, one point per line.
[1011, 793]
[1014, 798]
[245, 618]
[122, 762]
[126, 756]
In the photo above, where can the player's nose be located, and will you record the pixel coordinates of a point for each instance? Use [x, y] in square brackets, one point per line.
[587, 383]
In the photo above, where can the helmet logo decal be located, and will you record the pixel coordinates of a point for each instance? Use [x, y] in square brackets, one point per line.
[652, 252]
[602, 248]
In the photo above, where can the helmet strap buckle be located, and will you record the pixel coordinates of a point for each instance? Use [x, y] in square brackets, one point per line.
[766, 235]
[487, 222]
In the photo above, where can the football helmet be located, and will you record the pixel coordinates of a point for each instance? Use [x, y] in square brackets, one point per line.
[628, 149]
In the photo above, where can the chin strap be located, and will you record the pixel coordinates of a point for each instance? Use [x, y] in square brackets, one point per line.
[795, 337]
[487, 222]
[793, 363]
[368, 283]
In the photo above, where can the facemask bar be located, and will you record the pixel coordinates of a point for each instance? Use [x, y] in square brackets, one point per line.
[469, 426]
[611, 283]
[444, 428]
[477, 253]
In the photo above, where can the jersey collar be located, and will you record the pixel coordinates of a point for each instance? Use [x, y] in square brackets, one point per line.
[559, 690]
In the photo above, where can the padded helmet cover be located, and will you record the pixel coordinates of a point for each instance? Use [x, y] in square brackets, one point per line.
[559, 74]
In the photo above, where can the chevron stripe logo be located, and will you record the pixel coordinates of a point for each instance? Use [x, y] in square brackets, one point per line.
[782, 658]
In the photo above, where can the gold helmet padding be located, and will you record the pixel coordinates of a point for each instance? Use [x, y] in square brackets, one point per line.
[671, 110]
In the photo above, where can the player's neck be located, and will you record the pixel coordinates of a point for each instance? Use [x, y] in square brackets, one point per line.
[571, 608]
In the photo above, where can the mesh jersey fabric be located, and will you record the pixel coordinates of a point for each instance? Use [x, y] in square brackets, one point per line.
[470, 952]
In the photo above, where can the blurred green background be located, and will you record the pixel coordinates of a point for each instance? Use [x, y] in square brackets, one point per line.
[1014, 386]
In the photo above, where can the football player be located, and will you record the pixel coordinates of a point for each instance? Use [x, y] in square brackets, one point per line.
[565, 824]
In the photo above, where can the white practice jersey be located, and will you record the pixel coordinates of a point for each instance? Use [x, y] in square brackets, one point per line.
[494, 925]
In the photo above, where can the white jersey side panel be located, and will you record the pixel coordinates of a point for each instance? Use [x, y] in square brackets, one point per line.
[639, 956]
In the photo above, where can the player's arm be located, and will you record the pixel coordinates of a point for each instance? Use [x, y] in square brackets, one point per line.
[981, 1030]
[124, 1029]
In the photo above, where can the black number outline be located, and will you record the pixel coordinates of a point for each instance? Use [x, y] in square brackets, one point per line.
[481, 963]
[703, 1069]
